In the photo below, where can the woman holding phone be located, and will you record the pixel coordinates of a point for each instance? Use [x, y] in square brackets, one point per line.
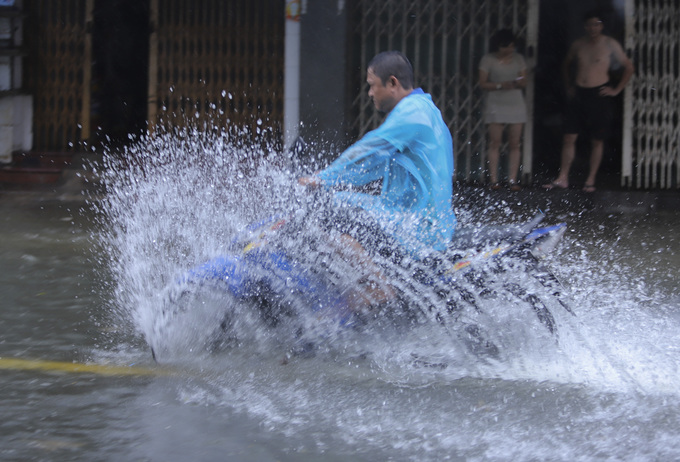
[502, 76]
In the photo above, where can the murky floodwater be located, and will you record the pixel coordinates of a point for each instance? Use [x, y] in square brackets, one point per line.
[81, 287]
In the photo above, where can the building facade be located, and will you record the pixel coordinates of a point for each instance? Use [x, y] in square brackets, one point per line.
[98, 71]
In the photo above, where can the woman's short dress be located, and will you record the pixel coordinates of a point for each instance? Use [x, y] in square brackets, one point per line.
[504, 106]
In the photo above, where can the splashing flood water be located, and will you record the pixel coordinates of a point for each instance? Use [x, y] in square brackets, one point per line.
[602, 387]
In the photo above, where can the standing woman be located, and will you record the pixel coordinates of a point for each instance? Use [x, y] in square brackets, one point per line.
[502, 74]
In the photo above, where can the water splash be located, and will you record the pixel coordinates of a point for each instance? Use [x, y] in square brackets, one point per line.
[175, 200]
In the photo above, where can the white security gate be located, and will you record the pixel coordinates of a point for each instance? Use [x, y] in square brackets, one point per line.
[445, 40]
[651, 145]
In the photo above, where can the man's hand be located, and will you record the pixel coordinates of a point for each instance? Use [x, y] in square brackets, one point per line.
[608, 91]
[310, 181]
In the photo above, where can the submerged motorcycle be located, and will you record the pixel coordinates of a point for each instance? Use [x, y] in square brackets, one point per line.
[291, 271]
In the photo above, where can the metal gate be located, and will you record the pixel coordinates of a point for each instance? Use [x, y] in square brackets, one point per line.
[445, 40]
[651, 156]
[217, 64]
[57, 72]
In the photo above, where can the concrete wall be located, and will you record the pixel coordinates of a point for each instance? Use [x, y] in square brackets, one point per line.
[16, 110]
[16, 122]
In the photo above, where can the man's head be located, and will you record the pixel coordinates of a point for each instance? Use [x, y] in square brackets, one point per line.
[593, 23]
[390, 78]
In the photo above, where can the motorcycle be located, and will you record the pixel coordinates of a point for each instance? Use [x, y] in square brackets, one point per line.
[291, 271]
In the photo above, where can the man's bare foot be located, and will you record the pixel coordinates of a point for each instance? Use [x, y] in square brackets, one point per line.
[555, 185]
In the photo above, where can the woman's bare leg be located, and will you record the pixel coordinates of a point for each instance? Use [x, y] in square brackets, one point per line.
[495, 135]
[515, 143]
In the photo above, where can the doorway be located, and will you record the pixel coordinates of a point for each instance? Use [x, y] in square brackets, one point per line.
[560, 23]
[120, 62]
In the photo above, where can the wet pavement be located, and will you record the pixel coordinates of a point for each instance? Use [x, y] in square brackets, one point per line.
[607, 390]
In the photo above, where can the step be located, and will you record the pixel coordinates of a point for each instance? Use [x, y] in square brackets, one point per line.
[44, 159]
[29, 175]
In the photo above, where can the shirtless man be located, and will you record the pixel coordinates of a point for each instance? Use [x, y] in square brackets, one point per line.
[589, 96]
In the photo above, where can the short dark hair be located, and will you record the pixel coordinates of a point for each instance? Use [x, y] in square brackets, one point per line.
[394, 63]
[594, 13]
[502, 38]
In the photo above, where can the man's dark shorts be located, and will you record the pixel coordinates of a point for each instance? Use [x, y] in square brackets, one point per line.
[589, 113]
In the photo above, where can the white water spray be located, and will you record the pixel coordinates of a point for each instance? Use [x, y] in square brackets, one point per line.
[175, 200]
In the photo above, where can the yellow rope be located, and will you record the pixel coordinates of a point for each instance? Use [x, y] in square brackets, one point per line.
[71, 367]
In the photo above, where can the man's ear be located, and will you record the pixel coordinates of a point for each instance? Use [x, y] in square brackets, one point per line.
[393, 81]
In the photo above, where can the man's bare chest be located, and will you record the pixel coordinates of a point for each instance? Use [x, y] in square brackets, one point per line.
[594, 56]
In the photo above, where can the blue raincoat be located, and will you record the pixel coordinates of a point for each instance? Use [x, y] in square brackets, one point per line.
[412, 153]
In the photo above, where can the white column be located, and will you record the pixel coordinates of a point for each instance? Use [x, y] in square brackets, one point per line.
[532, 46]
[291, 79]
[627, 141]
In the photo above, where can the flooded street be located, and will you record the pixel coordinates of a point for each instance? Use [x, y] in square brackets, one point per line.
[227, 231]
[607, 391]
